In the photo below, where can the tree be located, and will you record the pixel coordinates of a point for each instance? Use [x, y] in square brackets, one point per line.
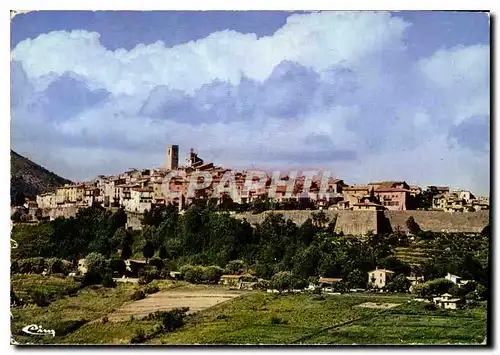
[282, 281]
[120, 238]
[412, 226]
[19, 199]
[95, 263]
[320, 220]
[126, 252]
[162, 253]
[235, 266]
[399, 284]
[356, 279]
[16, 216]
[148, 251]
[433, 287]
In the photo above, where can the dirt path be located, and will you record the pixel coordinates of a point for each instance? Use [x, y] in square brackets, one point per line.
[196, 300]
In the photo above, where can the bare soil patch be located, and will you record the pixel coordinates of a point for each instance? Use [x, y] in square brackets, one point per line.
[195, 299]
[378, 305]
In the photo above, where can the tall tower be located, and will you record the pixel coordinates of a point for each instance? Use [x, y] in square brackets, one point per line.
[172, 157]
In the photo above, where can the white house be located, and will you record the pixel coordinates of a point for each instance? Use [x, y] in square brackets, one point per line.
[445, 301]
[380, 277]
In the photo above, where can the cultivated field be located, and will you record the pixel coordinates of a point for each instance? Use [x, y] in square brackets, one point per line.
[196, 299]
[309, 319]
[221, 316]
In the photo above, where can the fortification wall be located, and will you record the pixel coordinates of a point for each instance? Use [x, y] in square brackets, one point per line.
[440, 221]
[347, 222]
[53, 213]
[356, 222]
[362, 222]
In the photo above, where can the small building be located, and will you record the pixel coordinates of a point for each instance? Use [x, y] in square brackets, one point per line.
[82, 266]
[415, 279]
[134, 266]
[176, 275]
[453, 278]
[446, 302]
[231, 280]
[379, 278]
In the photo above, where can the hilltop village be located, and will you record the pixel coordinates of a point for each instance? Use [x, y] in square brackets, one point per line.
[140, 190]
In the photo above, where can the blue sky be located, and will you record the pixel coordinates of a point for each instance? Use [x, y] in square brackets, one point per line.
[368, 96]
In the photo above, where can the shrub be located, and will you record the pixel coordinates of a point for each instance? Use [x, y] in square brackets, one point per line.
[276, 320]
[430, 306]
[192, 274]
[164, 275]
[139, 337]
[66, 327]
[91, 278]
[107, 280]
[148, 274]
[235, 266]
[157, 262]
[14, 267]
[169, 320]
[96, 263]
[138, 295]
[105, 320]
[282, 281]
[117, 265]
[211, 274]
[262, 285]
[31, 265]
[14, 300]
[143, 280]
[152, 288]
[39, 297]
[54, 266]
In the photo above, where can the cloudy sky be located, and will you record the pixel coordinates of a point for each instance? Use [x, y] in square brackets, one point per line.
[367, 96]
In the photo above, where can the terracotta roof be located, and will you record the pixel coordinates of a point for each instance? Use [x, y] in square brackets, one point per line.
[391, 189]
[329, 279]
[383, 270]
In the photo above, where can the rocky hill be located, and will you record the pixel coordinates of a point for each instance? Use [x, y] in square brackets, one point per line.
[30, 179]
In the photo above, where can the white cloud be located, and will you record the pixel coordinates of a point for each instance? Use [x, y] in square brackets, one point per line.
[368, 97]
[317, 40]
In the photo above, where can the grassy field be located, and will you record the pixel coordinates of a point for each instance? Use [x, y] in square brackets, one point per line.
[89, 304]
[254, 318]
[297, 319]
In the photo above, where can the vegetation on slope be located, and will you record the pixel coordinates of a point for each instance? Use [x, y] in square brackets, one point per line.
[28, 179]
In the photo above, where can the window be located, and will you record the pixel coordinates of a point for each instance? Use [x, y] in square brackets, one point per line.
[380, 275]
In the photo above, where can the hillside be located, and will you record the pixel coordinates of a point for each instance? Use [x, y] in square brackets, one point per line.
[29, 178]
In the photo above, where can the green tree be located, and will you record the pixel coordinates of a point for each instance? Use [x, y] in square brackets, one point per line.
[412, 226]
[126, 252]
[399, 284]
[148, 251]
[162, 252]
[356, 279]
[282, 281]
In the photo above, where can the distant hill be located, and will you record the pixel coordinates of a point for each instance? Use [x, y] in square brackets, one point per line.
[30, 179]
